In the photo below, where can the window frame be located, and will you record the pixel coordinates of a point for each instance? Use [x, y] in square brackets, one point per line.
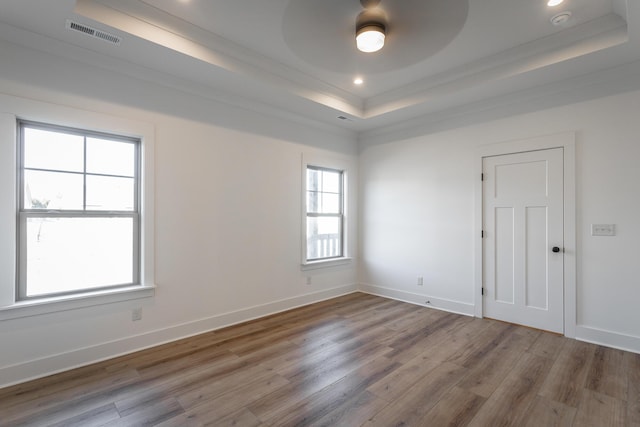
[339, 215]
[322, 161]
[76, 117]
[24, 214]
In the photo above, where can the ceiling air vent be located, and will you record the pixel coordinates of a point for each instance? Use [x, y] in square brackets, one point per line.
[93, 32]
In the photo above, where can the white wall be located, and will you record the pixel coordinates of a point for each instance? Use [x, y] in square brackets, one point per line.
[417, 212]
[227, 215]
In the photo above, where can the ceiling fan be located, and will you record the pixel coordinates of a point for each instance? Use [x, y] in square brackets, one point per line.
[322, 33]
[371, 27]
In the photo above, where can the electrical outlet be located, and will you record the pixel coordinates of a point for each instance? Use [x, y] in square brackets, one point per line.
[420, 281]
[136, 314]
[308, 280]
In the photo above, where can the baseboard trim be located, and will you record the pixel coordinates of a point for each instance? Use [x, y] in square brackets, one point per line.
[34, 369]
[608, 338]
[418, 299]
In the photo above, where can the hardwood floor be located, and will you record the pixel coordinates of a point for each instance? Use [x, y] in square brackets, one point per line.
[350, 361]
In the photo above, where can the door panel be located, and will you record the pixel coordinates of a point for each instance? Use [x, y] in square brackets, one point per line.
[512, 178]
[536, 279]
[523, 220]
[504, 266]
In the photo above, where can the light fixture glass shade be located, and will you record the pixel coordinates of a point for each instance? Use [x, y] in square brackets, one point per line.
[370, 38]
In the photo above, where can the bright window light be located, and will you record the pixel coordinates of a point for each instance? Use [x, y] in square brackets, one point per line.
[325, 213]
[79, 216]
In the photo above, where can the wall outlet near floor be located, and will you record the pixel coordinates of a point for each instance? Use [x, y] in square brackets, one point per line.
[420, 281]
[136, 314]
[308, 280]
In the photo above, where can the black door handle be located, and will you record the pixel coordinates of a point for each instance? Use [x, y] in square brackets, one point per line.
[555, 249]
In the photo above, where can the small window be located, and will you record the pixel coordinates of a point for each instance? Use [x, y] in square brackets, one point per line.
[324, 213]
[79, 211]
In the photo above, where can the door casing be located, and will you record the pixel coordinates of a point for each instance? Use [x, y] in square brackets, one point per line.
[564, 140]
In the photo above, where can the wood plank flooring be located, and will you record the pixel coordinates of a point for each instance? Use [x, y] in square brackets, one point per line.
[357, 360]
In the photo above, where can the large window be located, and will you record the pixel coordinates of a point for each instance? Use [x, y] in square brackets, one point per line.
[79, 211]
[324, 213]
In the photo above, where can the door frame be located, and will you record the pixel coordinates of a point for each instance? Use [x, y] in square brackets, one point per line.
[566, 141]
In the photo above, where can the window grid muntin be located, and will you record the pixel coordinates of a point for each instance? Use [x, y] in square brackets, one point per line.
[339, 215]
[85, 134]
[24, 213]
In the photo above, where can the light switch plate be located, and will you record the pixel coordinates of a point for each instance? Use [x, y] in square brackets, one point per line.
[603, 229]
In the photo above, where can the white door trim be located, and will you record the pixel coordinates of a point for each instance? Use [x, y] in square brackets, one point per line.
[566, 140]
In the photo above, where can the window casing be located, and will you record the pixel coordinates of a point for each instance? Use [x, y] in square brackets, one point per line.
[324, 213]
[78, 211]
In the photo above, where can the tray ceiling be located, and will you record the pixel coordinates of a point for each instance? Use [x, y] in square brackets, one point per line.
[300, 56]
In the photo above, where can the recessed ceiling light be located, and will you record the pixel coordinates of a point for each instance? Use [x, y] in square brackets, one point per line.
[358, 81]
[552, 3]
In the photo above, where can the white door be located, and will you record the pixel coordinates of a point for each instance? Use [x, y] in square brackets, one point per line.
[523, 238]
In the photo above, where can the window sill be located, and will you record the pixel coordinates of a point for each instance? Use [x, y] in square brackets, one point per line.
[314, 265]
[40, 306]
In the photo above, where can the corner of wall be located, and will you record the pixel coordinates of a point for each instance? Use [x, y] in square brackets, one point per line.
[451, 306]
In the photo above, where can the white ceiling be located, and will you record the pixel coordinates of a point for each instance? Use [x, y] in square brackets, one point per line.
[298, 56]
